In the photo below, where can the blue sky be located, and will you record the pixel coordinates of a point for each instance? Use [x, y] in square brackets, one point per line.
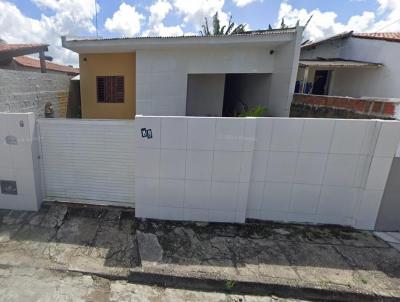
[257, 14]
[23, 21]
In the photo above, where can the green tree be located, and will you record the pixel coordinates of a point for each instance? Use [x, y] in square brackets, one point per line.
[217, 30]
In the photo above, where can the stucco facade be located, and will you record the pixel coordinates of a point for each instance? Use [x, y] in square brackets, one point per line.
[379, 82]
[111, 64]
[157, 71]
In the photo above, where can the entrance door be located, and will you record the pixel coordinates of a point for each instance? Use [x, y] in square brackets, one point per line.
[321, 79]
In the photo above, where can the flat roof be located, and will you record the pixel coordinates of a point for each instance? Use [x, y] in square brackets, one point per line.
[338, 63]
[93, 45]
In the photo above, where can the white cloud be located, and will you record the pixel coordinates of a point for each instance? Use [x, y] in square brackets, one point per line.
[361, 22]
[126, 21]
[68, 17]
[194, 11]
[242, 3]
[325, 24]
[158, 11]
[390, 10]
[164, 31]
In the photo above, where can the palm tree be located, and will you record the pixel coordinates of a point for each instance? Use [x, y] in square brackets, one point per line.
[231, 29]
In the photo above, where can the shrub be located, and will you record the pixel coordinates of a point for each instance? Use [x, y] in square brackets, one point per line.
[258, 111]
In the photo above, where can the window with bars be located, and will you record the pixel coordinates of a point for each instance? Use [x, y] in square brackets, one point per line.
[110, 89]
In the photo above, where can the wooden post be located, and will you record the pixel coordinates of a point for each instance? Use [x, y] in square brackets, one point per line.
[42, 62]
[305, 79]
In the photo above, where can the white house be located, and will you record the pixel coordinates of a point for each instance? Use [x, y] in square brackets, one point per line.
[189, 75]
[351, 64]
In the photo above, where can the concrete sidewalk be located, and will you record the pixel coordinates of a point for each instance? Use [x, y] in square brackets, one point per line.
[304, 262]
[42, 285]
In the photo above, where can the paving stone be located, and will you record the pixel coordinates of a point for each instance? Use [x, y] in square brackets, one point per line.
[392, 238]
[115, 246]
[55, 216]
[78, 230]
[44, 285]
[3, 213]
[395, 235]
[15, 217]
[318, 263]
[149, 247]
[385, 236]
[377, 268]
[122, 291]
[7, 232]
[108, 241]
[396, 246]
[361, 239]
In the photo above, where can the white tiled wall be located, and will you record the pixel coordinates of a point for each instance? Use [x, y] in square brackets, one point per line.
[19, 162]
[194, 168]
[321, 170]
[162, 75]
[386, 143]
[230, 169]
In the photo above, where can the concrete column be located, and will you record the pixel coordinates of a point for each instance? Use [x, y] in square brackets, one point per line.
[305, 80]
[42, 62]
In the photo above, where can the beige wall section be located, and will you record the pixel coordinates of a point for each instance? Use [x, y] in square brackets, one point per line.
[116, 64]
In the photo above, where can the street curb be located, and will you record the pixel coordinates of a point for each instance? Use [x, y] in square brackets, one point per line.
[253, 288]
[285, 291]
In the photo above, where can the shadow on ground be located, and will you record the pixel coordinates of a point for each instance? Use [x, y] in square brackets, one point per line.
[94, 239]
[329, 257]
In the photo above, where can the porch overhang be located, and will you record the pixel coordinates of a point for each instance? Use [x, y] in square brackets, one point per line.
[337, 63]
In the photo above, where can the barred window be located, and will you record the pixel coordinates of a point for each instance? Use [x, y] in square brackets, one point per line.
[110, 89]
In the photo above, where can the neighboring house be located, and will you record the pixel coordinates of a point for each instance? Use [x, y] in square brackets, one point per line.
[189, 75]
[352, 64]
[36, 85]
[13, 57]
[32, 64]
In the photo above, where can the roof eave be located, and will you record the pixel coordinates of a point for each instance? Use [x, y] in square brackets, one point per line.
[377, 38]
[341, 36]
[123, 44]
[22, 52]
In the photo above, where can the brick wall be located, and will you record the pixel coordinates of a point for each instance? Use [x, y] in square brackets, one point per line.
[307, 105]
[23, 91]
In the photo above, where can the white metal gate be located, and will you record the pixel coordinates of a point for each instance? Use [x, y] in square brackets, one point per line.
[89, 160]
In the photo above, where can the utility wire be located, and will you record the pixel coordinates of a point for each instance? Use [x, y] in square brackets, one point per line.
[95, 10]
[389, 25]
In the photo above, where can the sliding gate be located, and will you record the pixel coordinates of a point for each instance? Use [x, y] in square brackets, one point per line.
[88, 160]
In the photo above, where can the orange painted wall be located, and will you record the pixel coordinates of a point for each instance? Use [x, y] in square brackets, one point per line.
[114, 64]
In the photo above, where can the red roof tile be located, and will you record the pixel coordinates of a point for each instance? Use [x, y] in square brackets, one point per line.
[13, 47]
[389, 36]
[35, 63]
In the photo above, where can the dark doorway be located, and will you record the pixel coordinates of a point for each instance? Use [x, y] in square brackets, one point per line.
[321, 79]
[231, 97]
[244, 92]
